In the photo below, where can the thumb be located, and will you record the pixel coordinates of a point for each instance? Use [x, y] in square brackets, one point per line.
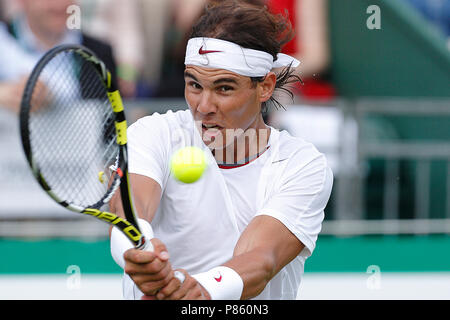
[160, 249]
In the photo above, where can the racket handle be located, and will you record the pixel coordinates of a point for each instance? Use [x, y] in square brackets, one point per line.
[147, 232]
[120, 243]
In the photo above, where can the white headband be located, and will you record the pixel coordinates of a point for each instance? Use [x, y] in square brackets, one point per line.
[221, 54]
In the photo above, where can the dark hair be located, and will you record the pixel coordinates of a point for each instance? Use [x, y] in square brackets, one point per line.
[250, 25]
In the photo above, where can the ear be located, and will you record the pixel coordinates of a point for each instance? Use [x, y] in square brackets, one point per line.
[267, 86]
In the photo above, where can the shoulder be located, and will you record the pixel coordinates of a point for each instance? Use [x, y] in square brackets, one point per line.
[181, 116]
[169, 117]
[299, 162]
[295, 148]
[163, 123]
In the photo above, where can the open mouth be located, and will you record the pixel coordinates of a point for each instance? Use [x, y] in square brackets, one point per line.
[211, 126]
[211, 130]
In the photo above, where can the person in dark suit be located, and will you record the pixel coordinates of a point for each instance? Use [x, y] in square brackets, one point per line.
[40, 26]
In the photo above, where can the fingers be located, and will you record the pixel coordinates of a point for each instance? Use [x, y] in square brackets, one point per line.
[153, 274]
[172, 287]
[160, 249]
[195, 293]
[135, 256]
[190, 289]
[163, 275]
[151, 287]
[150, 271]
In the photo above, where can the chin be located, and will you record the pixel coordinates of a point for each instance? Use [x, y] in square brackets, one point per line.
[214, 145]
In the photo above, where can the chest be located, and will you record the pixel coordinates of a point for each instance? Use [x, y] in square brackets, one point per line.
[242, 184]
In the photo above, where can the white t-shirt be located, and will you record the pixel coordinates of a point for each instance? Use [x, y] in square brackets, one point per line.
[200, 223]
[242, 183]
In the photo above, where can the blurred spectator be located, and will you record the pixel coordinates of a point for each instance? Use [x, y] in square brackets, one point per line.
[156, 17]
[437, 12]
[310, 45]
[148, 38]
[38, 26]
[119, 23]
[15, 65]
[9, 8]
[15, 62]
[2, 18]
[308, 117]
[182, 15]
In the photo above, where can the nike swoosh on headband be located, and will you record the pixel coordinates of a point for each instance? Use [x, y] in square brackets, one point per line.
[201, 51]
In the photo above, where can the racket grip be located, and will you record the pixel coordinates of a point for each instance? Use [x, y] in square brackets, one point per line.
[147, 232]
[120, 243]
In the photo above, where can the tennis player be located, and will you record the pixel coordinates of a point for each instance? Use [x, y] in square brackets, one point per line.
[245, 229]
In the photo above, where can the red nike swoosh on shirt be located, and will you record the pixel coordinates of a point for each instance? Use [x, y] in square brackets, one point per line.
[218, 279]
[201, 51]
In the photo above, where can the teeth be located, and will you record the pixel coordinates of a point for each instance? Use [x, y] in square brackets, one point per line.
[210, 125]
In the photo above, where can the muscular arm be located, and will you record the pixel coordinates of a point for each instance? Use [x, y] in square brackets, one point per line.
[263, 249]
[146, 196]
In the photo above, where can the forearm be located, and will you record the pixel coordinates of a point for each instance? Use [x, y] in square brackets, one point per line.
[256, 259]
[146, 200]
[146, 196]
[256, 268]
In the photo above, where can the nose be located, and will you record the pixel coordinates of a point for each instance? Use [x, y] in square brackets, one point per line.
[206, 103]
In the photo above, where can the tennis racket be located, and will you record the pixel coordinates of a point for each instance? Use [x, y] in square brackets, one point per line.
[73, 131]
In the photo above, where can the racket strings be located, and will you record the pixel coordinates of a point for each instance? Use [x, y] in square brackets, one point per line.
[72, 132]
[79, 181]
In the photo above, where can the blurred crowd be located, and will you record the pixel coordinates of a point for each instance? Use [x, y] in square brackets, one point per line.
[143, 41]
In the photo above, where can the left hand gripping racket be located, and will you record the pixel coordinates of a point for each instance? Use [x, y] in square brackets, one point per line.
[73, 131]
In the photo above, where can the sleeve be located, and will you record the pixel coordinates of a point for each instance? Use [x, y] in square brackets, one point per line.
[300, 201]
[149, 148]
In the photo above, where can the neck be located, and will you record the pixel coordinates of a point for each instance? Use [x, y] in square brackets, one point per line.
[246, 144]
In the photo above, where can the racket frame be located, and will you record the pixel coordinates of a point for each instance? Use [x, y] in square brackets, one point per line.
[129, 226]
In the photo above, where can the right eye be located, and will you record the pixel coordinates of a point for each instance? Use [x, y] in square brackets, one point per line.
[194, 85]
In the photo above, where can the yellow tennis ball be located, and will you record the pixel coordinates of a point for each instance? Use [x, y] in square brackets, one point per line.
[188, 164]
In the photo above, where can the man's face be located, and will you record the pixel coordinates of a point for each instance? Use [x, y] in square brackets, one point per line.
[48, 15]
[223, 103]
